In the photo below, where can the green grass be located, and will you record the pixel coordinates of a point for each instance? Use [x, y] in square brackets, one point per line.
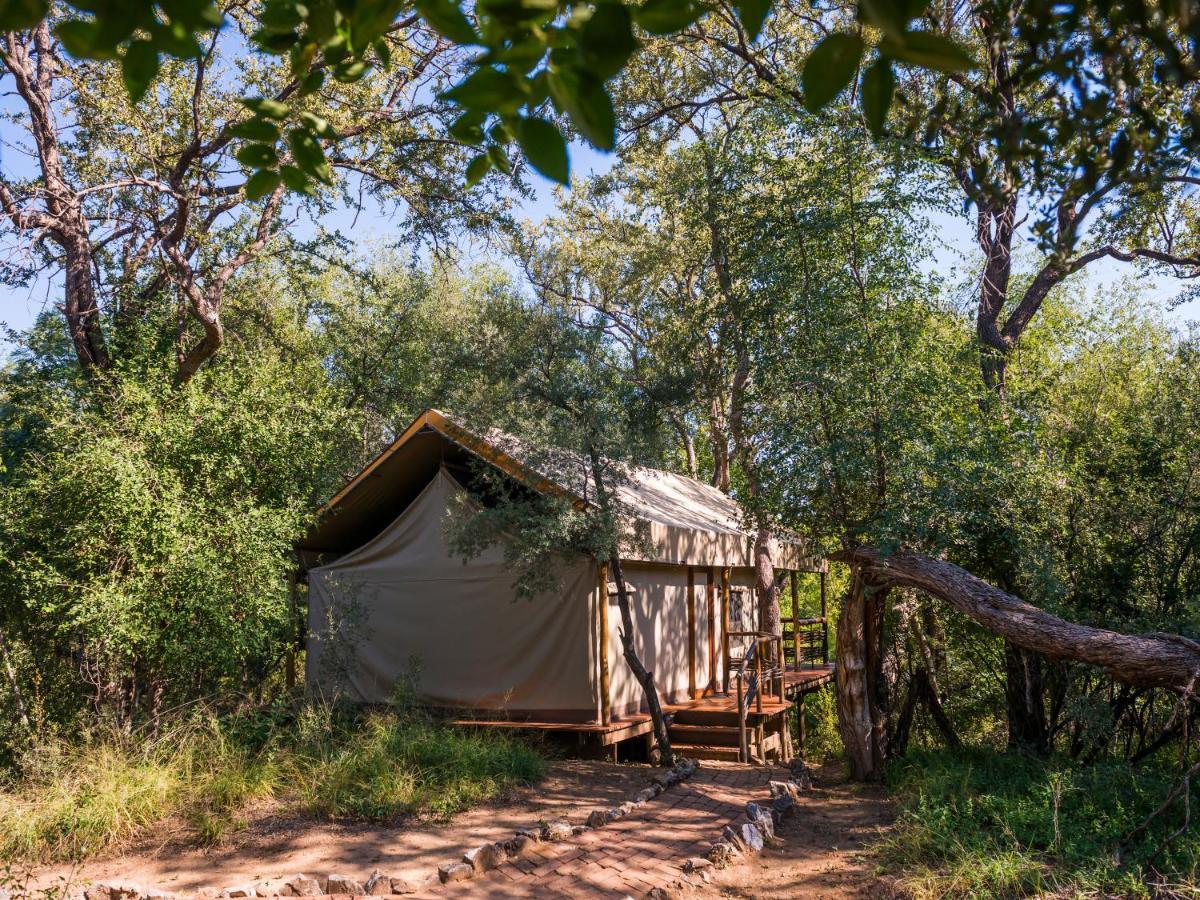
[71, 801]
[987, 824]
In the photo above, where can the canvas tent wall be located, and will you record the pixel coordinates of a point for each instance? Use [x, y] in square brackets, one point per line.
[385, 592]
[403, 605]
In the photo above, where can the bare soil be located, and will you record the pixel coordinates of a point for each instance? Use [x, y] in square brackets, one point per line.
[824, 847]
[272, 846]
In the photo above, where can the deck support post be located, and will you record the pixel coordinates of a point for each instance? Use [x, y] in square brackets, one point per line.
[724, 629]
[605, 697]
[691, 624]
[712, 631]
[803, 727]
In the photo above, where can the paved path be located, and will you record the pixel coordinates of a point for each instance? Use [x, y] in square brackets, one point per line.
[633, 855]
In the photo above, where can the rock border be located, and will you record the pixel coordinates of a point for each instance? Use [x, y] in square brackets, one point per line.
[474, 862]
[755, 829]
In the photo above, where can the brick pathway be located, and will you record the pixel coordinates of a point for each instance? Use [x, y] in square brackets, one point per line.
[632, 855]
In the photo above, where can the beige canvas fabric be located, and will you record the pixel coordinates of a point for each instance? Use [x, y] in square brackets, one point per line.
[402, 604]
[689, 522]
[658, 597]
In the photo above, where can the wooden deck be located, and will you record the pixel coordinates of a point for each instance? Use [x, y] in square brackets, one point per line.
[798, 682]
[808, 679]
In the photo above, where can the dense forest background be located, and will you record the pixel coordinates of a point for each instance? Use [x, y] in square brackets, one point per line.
[750, 295]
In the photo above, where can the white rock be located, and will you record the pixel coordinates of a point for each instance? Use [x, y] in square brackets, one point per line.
[598, 818]
[303, 886]
[559, 830]
[455, 872]
[378, 884]
[751, 837]
[485, 857]
[342, 884]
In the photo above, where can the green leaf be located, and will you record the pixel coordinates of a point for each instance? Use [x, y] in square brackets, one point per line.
[544, 147]
[889, 16]
[318, 126]
[829, 68]
[499, 158]
[312, 82]
[753, 14]
[468, 127]
[477, 168]
[878, 85]
[257, 156]
[349, 72]
[256, 130]
[582, 97]
[606, 39]
[79, 38]
[295, 179]
[139, 66]
[447, 18]
[489, 90]
[18, 14]
[272, 109]
[261, 183]
[383, 53]
[931, 51]
[309, 156]
[667, 16]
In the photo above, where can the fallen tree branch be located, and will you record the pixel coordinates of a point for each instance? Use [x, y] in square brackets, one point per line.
[1146, 660]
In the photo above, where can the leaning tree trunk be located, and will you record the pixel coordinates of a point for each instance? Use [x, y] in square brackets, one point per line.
[1147, 660]
[644, 677]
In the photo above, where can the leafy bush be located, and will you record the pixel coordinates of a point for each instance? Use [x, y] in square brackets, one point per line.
[982, 823]
[78, 800]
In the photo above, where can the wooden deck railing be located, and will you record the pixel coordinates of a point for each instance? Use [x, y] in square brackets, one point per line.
[806, 642]
[761, 659]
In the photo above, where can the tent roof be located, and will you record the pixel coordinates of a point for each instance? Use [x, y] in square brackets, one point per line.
[373, 498]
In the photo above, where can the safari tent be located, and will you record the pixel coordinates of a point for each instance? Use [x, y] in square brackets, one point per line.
[388, 599]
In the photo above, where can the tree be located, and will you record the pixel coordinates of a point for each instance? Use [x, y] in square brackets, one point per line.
[565, 391]
[133, 206]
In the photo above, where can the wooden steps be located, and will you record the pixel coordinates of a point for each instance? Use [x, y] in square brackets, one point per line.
[704, 751]
[711, 735]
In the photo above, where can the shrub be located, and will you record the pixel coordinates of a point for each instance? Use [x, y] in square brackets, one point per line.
[983, 823]
[77, 800]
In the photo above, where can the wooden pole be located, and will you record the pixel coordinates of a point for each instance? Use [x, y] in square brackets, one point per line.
[605, 697]
[725, 627]
[795, 581]
[824, 624]
[712, 631]
[691, 617]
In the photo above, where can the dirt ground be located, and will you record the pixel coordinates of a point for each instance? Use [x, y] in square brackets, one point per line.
[273, 847]
[823, 852]
[821, 856]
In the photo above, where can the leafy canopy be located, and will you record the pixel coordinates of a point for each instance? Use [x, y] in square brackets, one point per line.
[538, 56]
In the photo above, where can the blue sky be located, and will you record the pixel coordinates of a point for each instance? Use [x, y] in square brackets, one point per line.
[953, 254]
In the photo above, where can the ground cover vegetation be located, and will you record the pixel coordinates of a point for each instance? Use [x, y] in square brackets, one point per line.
[753, 294]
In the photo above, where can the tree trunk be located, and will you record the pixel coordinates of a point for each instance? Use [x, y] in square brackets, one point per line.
[79, 307]
[1023, 694]
[860, 718]
[1147, 660]
[644, 677]
[769, 618]
[14, 684]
